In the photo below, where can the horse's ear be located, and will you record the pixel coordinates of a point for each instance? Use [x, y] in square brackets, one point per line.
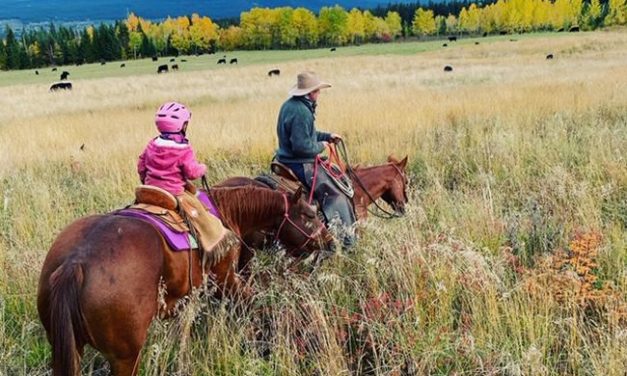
[392, 159]
[403, 163]
[297, 195]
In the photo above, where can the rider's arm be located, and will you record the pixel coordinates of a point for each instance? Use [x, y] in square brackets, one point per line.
[192, 169]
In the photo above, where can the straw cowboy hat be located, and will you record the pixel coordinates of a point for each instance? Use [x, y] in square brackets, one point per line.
[306, 82]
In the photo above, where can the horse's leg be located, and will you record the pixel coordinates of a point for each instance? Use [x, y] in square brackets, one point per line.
[125, 367]
[227, 279]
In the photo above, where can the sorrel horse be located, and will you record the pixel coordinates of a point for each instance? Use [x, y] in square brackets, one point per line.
[388, 181]
[100, 281]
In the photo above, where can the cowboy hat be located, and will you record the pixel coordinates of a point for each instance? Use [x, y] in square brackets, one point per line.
[306, 82]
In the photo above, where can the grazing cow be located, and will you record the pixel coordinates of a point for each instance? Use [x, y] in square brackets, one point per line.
[332, 49]
[54, 69]
[122, 65]
[154, 58]
[485, 34]
[162, 68]
[102, 62]
[448, 68]
[476, 43]
[274, 72]
[445, 45]
[233, 61]
[183, 61]
[175, 67]
[503, 32]
[452, 38]
[61, 86]
[574, 29]
[222, 61]
[172, 60]
[82, 147]
[64, 75]
[549, 56]
[37, 72]
[560, 29]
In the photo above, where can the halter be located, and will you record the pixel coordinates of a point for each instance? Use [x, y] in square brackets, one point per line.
[286, 218]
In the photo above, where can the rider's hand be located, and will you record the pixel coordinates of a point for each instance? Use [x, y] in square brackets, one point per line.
[335, 138]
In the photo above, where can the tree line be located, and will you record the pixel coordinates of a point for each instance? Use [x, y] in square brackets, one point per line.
[297, 28]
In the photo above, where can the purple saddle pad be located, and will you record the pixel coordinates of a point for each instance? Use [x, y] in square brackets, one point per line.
[178, 241]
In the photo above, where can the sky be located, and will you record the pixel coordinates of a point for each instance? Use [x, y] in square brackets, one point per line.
[44, 11]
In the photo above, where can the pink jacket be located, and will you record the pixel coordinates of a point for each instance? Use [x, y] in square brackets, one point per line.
[167, 164]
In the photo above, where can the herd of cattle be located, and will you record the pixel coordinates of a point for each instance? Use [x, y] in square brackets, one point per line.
[63, 84]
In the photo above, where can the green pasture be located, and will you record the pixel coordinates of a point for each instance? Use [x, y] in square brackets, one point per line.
[204, 62]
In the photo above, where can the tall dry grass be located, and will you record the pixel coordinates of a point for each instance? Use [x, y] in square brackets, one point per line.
[511, 157]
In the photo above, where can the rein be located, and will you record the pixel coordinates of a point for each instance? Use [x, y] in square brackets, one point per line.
[353, 174]
[286, 218]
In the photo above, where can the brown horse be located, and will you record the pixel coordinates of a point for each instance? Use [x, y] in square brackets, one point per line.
[100, 281]
[388, 181]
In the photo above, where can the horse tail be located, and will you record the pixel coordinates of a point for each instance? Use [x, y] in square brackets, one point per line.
[66, 318]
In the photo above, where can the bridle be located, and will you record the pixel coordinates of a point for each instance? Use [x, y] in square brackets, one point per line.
[286, 219]
[351, 172]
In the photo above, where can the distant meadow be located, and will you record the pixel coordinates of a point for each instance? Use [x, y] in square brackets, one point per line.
[511, 259]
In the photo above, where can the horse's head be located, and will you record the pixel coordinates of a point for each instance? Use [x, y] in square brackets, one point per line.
[396, 193]
[301, 230]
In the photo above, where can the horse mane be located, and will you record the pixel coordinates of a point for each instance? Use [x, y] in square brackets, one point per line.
[249, 201]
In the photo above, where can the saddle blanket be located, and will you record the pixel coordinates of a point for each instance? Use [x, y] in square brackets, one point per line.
[177, 240]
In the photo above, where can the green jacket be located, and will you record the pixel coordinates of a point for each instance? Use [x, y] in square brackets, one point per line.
[299, 142]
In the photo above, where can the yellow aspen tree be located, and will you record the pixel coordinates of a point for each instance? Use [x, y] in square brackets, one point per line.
[355, 26]
[617, 13]
[393, 20]
[203, 32]
[132, 21]
[306, 26]
[593, 15]
[451, 24]
[231, 38]
[424, 22]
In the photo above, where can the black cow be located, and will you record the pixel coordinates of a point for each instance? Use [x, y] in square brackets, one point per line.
[61, 86]
[445, 45]
[222, 61]
[549, 56]
[183, 61]
[54, 69]
[154, 58]
[175, 67]
[162, 68]
[485, 34]
[37, 72]
[122, 65]
[503, 32]
[452, 38]
[233, 61]
[476, 43]
[64, 75]
[102, 62]
[172, 60]
[332, 49]
[448, 68]
[574, 29]
[274, 72]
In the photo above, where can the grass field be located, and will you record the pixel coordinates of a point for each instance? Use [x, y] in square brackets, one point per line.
[512, 259]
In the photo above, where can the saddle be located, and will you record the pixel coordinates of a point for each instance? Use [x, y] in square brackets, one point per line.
[161, 204]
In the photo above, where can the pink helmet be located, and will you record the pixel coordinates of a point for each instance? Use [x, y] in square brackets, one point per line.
[171, 117]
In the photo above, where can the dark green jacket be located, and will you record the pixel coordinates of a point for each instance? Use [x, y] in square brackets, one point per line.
[299, 142]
